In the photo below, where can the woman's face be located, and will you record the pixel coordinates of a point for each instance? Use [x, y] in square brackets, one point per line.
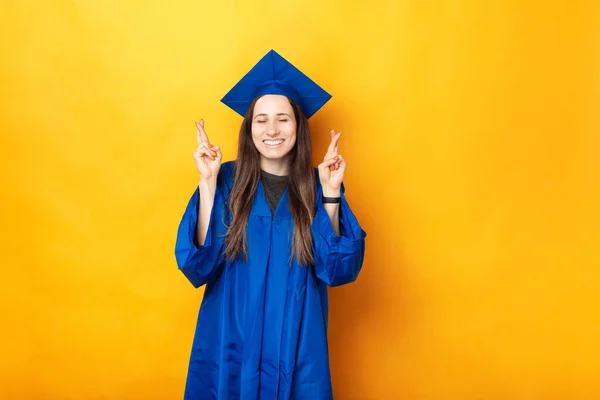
[273, 127]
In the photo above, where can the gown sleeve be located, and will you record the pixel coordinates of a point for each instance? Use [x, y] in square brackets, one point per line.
[202, 264]
[338, 259]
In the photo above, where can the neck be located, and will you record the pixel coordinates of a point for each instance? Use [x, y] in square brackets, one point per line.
[278, 167]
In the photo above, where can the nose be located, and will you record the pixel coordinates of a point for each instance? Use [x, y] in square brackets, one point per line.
[272, 130]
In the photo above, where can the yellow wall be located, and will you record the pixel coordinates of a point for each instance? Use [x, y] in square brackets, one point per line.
[472, 135]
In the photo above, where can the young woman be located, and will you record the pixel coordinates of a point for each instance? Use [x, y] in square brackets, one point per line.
[267, 234]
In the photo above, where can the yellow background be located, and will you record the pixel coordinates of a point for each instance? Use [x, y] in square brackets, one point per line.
[472, 136]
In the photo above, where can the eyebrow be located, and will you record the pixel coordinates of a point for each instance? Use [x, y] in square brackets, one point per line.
[278, 114]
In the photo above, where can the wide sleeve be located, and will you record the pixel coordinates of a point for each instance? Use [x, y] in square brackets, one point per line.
[338, 259]
[202, 264]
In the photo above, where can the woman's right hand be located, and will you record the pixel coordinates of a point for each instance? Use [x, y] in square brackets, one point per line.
[207, 156]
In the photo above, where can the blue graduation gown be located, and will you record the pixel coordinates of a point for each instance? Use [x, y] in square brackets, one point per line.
[262, 325]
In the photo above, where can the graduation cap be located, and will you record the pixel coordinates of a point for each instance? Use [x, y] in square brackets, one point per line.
[273, 74]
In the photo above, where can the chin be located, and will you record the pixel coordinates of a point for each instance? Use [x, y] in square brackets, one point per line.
[274, 154]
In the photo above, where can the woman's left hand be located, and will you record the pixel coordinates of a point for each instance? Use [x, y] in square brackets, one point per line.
[331, 170]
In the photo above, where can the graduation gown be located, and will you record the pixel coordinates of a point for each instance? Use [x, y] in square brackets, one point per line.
[262, 325]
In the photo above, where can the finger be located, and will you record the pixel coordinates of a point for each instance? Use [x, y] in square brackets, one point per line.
[332, 150]
[337, 142]
[198, 137]
[334, 158]
[329, 155]
[338, 163]
[341, 164]
[212, 150]
[203, 152]
[217, 151]
[335, 137]
[328, 163]
[201, 132]
[200, 155]
[209, 148]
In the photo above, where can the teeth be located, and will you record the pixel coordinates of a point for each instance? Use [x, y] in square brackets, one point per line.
[273, 142]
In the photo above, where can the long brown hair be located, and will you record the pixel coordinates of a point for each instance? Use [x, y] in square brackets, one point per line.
[301, 183]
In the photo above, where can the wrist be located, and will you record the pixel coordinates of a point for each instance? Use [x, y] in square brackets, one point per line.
[207, 184]
[331, 193]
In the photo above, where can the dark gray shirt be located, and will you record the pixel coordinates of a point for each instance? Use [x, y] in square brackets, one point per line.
[274, 187]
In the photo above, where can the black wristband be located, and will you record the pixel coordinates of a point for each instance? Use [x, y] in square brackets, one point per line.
[332, 199]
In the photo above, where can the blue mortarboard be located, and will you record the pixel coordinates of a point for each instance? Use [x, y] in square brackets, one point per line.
[273, 74]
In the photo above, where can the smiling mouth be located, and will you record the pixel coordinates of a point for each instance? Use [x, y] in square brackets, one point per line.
[273, 143]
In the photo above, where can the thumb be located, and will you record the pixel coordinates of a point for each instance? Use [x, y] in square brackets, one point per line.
[217, 150]
[328, 162]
